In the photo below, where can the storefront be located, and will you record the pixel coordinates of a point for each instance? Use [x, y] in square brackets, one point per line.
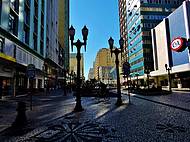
[14, 59]
[6, 75]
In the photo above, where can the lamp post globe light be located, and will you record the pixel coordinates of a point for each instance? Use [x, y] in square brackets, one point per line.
[168, 69]
[116, 51]
[78, 44]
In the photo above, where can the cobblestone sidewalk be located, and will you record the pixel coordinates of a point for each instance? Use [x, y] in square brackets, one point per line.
[141, 121]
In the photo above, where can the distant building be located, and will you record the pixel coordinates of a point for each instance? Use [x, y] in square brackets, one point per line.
[113, 76]
[73, 63]
[175, 25]
[91, 74]
[103, 59]
[104, 73]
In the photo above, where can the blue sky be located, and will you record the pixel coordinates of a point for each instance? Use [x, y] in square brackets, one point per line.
[101, 18]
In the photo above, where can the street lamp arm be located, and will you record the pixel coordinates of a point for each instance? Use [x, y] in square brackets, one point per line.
[78, 43]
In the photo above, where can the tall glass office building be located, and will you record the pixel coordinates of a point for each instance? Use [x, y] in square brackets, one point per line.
[142, 16]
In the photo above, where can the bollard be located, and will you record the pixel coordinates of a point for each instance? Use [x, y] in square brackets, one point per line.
[21, 115]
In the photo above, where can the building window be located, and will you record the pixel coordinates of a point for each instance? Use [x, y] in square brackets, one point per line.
[36, 8]
[35, 25]
[14, 4]
[41, 48]
[26, 34]
[12, 25]
[35, 42]
[26, 15]
[27, 2]
[42, 34]
[43, 5]
[2, 44]
[42, 19]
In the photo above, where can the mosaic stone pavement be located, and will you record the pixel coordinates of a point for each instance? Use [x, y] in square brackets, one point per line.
[102, 121]
[70, 129]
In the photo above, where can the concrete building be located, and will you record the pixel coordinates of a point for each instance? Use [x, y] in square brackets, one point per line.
[57, 55]
[73, 63]
[63, 30]
[29, 35]
[52, 66]
[91, 74]
[175, 25]
[103, 59]
[142, 16]
[23, 42]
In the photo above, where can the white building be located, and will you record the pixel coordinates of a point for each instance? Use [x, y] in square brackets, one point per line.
[177, 24]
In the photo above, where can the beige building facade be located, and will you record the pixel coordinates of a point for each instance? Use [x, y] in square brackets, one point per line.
[63, 29]
[73, 64]
[103, 59]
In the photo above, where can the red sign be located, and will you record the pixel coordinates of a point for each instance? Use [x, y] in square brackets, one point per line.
[178, 44]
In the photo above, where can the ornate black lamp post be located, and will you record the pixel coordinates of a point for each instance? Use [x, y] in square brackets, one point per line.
[78, 45]
[44, 73]
[147, 71]
[137, 75]
[116, 51]
[168, 69]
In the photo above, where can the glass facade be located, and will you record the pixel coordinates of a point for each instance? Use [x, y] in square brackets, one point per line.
[142, 16]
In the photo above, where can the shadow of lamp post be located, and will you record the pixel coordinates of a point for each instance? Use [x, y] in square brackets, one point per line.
[116, 51]
[168, 69]
[78, 45]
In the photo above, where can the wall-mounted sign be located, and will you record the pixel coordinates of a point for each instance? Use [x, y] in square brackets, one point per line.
[179, 44]
[31, 71]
